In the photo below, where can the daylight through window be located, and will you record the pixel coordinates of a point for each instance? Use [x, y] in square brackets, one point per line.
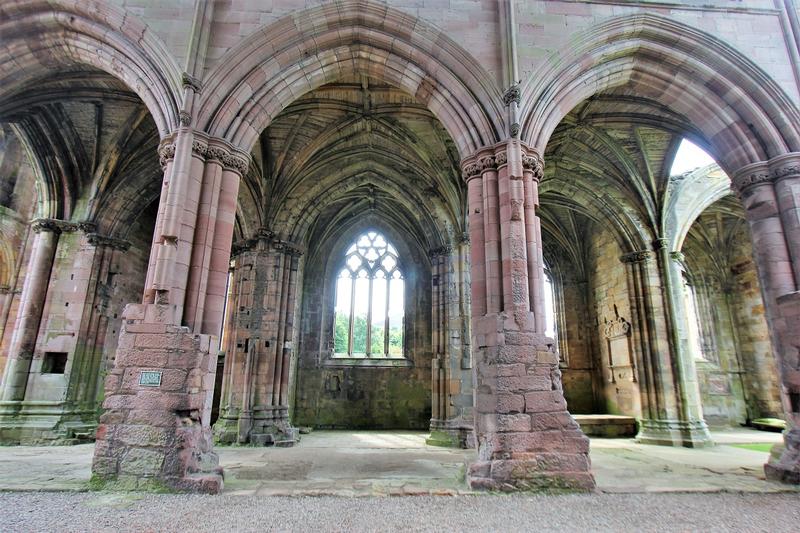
[369, 305]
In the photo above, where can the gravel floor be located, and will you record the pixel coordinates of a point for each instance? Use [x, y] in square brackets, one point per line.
[51, 512]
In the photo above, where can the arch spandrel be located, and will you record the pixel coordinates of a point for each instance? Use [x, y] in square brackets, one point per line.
[69, 34]
[742, 113]
[267, 71]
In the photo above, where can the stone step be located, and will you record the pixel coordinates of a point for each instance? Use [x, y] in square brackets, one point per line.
[612, 426]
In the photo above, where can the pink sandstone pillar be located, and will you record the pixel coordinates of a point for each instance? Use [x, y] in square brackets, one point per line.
[156, 430]
[770, 193]
[526, 438]
[34, 292]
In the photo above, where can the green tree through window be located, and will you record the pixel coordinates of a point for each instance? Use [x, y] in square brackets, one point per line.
[369, 307]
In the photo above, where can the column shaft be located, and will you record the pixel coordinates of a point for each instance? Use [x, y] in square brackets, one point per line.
[34, 293]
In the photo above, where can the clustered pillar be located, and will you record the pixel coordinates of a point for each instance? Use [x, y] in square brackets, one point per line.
[670, 406]
[259, 343]
[526, 438]
[156, 430]
[451, 397]
[770, 191]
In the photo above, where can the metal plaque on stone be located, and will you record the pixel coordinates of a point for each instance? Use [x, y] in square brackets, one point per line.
[150, 378]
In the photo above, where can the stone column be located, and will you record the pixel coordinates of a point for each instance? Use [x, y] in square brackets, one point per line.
[665, 418]
[91, 268]
[526, 438]
[770, 192]
[693, 428]
[255, 405]
[34, 293]
[451, 416]
[156, 430]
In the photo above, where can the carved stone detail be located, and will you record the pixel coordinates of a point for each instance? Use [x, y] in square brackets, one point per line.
[185, 119]
[513, 94]
[53, 225]
[192, 83]
[618, 327]
[442, 250]
[95, 239]
[470, 171]
[636, 257]
[750, 176]
[535, 164]
[166, 153]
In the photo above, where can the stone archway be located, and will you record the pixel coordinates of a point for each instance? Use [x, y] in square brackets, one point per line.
[739, 114]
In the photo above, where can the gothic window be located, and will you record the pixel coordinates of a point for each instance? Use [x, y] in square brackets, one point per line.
[369, 306]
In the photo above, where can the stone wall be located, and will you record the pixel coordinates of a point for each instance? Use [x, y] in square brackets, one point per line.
[609, 293]
[579, 364]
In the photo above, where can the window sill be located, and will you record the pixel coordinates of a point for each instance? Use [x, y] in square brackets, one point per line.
[346, 362]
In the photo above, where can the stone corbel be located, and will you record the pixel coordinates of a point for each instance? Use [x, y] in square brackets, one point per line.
[166, 153]
[53, 225]
[190, 82]
[97, 240]
[442, 250]
[513, 94]
[638, 256]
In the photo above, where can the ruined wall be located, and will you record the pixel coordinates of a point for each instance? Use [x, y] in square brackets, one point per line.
[578, 372]
[335, 394]
[619, 392]
[736, 370]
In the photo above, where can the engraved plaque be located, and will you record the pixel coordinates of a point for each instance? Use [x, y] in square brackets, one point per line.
[150, 378]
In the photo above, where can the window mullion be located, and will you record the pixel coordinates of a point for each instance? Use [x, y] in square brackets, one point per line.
[386, 320]
[369, 318]
[352, 314]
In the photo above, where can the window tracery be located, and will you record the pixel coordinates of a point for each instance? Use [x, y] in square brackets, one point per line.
[369, 302]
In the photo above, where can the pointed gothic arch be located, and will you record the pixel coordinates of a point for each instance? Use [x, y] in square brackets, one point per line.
[267, 71]
[743, 114]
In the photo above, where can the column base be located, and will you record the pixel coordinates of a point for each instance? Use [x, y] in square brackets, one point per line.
[45, 423]
[527, 440]
[155, 434]
[268, 426]
[451, 434]
[784, 461]
[692, 434]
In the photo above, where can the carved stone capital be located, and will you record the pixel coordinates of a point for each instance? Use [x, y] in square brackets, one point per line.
[470, 171]
[95, 239]
[262, 235]
[751, 176]
[534, 162]
[166, 153]
[785, 166]
[636, 257]
[237, 162]
[192, 83]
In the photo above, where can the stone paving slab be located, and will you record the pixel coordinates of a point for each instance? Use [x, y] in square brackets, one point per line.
[366, 463]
